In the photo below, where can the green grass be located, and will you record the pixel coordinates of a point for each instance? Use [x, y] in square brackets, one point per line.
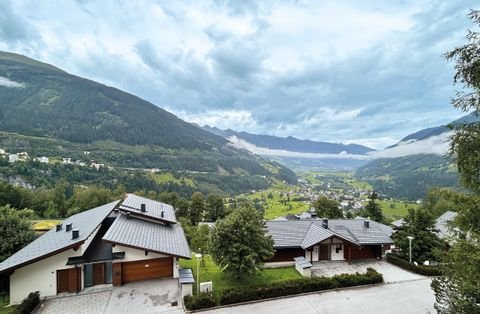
[209, 271]
[396, 209]
[165, 177]
[6, 310]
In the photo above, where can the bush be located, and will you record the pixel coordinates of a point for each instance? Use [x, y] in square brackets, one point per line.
[420, 269]
[29, 303]
[285, 288]
[201, 301]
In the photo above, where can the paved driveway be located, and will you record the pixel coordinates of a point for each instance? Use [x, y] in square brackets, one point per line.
[147, 296]
[391, 273]
[408, 297]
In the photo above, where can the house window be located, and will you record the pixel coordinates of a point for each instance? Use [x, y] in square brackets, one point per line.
[338, 248]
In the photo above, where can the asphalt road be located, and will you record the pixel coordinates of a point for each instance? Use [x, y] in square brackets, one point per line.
[395, 298]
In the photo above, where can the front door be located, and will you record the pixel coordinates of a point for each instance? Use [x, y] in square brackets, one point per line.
[315, 254]
[68, 280]
[98, 274]
[337, 252]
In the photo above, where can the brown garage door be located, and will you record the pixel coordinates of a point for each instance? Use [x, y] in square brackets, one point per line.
[147, 269]
[68, 280]
[368, 251]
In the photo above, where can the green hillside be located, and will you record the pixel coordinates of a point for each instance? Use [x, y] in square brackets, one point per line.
[55, 114]
[409, 177]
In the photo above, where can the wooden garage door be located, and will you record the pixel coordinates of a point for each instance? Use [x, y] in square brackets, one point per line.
[368, 251]
[68, 280]
[147, 269]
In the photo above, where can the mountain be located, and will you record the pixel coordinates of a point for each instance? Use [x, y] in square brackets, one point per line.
[416, 163]
[296, 153]
[45, 110]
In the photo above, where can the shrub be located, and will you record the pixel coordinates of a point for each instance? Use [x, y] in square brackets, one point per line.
[420, 269]
[201, 301]
[29, 303]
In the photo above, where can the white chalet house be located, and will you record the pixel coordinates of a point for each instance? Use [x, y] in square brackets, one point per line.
[127, 240]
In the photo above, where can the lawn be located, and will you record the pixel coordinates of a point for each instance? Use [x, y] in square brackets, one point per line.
[396, 209]
[5, 310]
[209, 271]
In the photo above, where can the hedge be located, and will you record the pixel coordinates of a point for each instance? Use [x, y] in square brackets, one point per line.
[29, 303]
[419, 269]
[285, 288]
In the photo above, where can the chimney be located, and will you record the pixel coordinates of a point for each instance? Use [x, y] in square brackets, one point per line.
[143, 208]
[162, 214]
[75, 233]
[59, 227]
[325, 223]
[68, 227]
[366, 223]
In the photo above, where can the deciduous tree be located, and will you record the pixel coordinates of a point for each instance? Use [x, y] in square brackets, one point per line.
[239, 244]
[15, 230]
[459, 290]
[327, 208]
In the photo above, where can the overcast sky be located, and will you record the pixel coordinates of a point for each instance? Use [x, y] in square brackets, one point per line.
[340, 71]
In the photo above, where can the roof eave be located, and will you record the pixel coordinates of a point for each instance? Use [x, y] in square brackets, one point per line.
[146, 249]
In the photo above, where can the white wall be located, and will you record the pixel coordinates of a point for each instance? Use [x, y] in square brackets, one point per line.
[40, 276]
[134, 254]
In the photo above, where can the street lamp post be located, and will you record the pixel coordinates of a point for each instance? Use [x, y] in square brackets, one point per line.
[410, 238]
[198, 256]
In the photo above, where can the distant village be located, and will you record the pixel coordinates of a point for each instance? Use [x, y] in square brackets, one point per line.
[25, 156]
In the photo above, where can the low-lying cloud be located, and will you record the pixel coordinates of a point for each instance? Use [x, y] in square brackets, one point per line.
[9, 83]
[437, 145]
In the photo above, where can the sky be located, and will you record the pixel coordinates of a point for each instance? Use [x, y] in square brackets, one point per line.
[365, 72]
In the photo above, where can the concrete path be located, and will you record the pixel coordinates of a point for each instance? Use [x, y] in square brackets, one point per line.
[408, 297]
[390, 272]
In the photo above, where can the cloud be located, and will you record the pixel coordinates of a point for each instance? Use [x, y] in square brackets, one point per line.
[242, 144]
[323, 70]
[9, 83]
[437, 145]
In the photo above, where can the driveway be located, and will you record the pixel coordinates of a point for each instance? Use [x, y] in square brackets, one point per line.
[391, 273]
[147, 296]
[409, 297]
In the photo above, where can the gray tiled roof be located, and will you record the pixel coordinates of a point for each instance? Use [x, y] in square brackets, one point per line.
[155, 237]
[441, 224]
[53, 241]
[132, 204]
[305, 233]
[315, 234]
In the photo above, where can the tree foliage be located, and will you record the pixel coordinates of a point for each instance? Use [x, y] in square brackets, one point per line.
[419, 224]
[327, 208]
[459, 290]
[239, 244]
[215, 209]
[373, 209]
[15, 230]
[197, 208]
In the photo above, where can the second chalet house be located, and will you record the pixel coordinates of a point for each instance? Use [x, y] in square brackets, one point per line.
[123, 241]
[323, 240]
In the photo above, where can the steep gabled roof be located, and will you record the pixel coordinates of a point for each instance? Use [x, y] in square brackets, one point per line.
[53, 242]
[315, 234]
[154, 209]
[148, 236]
[442, 222]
